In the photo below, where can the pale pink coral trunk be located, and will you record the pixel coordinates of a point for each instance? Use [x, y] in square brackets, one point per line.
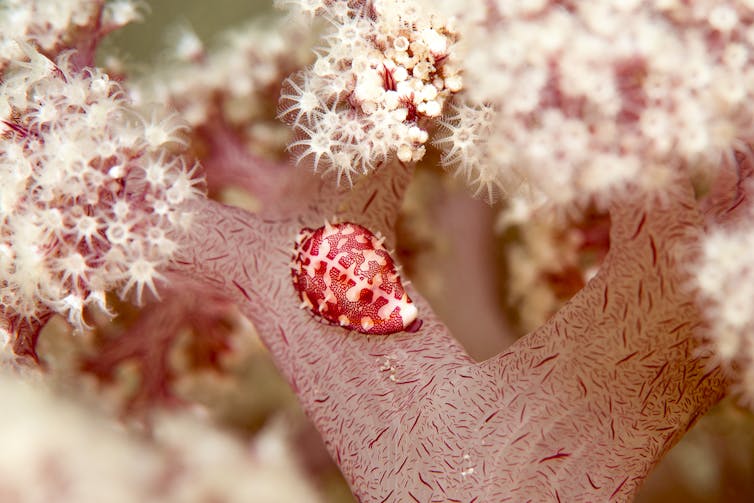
[579, 410]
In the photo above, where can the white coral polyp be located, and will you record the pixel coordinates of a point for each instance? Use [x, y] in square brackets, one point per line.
[85, 186]
[390, 60]
[724, 277]
[664, 86]
[49, 24]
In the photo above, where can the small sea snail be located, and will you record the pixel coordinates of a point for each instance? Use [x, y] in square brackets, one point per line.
[343, 273]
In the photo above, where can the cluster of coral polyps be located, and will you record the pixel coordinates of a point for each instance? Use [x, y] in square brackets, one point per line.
[384, 67]
[90, 190]
[595, 96]
[56, 25]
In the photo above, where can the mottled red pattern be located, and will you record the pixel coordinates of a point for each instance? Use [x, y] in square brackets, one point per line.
[340, 260]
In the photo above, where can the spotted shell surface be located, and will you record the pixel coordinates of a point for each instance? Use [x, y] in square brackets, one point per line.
[343, 273]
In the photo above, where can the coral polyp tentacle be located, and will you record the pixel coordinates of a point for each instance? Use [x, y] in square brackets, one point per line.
[343, 274]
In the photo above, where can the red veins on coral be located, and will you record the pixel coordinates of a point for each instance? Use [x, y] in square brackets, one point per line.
[344, 274]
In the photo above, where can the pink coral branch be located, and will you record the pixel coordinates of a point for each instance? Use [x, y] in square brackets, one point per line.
[612, 380]
[580, 409]
[229, 163]
[25, 332]
[375, 200]
[148, 343]
[150, 339]
[465, 255]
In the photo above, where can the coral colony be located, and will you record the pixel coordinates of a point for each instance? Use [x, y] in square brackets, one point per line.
[145, 249]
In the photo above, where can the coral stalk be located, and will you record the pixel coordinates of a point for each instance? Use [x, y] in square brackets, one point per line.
[580, 409]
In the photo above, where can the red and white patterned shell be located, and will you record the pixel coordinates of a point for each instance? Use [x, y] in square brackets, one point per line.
[344, 274]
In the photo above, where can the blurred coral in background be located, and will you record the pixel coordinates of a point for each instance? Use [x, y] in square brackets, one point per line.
[521, 160]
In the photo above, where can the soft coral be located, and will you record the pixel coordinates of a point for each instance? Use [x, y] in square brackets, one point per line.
[580, 409]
